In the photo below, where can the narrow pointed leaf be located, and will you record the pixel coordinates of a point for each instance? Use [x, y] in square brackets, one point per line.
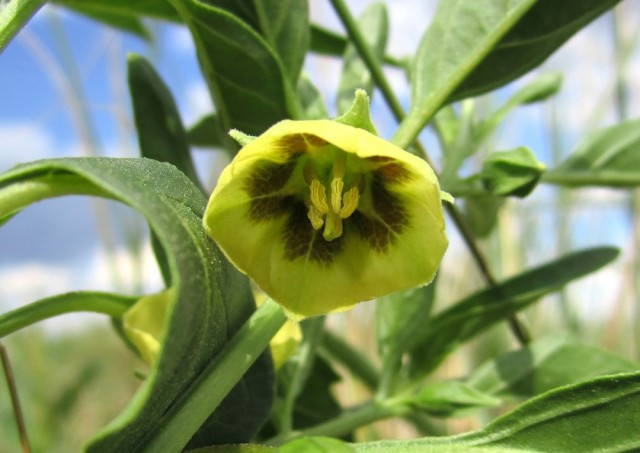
[608, 157]
[540, 32]
[547, 363]
[597, 415]
[470, 316]
[461, 34]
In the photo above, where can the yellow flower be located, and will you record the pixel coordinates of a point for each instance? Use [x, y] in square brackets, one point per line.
[323, 215]
[143, 323]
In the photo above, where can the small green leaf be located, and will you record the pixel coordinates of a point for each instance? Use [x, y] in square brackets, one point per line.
[355, 74]
[451, 399]
[477, 312]
[316, 445]
[514, 172]
[608, 157]
[547, 363]
[541, 88]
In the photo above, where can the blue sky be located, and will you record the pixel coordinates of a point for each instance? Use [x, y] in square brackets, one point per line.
[56, 245]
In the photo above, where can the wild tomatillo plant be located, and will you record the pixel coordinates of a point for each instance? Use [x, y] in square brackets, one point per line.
[240, 345]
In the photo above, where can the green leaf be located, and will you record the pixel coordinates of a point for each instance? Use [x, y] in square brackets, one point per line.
[125, 15]
[316, 445]
[547, 363]
[235, 420]
[514, 172]
[540, 89]
[460, 35]
[207, 133]
[451, 399]
[212, 299]
[161, 134]
[327, 42]
[245, 76]
[597, 415]
[285, 25]
[399, 316]
[477, 312]
[539, 33]
[355, 74]
[608, 157]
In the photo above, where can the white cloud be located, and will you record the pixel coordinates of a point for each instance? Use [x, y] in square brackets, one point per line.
[198, 102]
[26, 283]
[22, 142]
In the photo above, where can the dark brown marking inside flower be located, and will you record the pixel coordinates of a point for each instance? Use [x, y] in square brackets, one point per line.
[392, 217]
[270, 207]
[269, 177]
[296, 144]
[393, 173]
[301, 240]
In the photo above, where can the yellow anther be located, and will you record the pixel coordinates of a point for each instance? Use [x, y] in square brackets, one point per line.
[349, 202]
[318, 197]
[342, 204]
[316, 217]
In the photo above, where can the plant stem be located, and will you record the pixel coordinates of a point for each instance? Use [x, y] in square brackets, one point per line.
[404, 141]
[15, 401]
[345, 423]
[13, 16]
[313, 332]
[108, 304]
[189, 413]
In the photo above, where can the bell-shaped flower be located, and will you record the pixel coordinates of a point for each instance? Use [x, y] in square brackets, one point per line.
[323, 215]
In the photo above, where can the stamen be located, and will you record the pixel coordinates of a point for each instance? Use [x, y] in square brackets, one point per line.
[343, 204]
[337, 186]
[316, 217]
[318, 197]
[349, 202]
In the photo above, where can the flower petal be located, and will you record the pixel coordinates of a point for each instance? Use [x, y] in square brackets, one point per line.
[258, 214]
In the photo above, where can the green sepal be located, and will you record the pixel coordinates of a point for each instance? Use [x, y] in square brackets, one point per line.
[358, 115]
